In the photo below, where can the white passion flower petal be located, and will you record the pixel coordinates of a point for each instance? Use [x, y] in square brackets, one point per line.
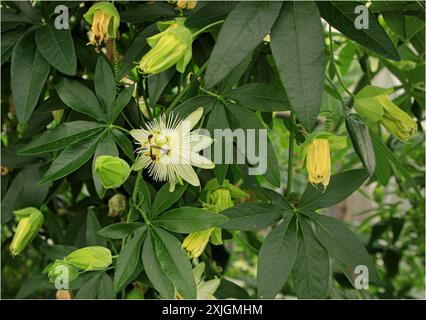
[199, 141]
[200, 161]
[193, 118]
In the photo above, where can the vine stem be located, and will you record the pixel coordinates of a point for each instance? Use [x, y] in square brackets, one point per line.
[194, 35]
[290, 158]
[184, 91]
[334, 63]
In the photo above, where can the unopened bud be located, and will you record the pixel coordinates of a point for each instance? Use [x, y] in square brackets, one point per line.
[112, 171]
[30, 222]
[117, 205]
[90, 258]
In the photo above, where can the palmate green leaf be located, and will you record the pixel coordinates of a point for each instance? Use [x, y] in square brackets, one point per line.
[242, 31]
[341, 186]
[276, 258]
[189, 219]
[105, 289]
[272, 197]
[361, 141]
[164, 199]
[240, 117]
[120, 102]
[105, 87]
[61, 137]
[209, 13]
[92, 227]
[383, 149]
[260, 97]
[297, 44]
[57, 47]
[341, 15]
[72, 158]
[128, 260]
[29, 71]
[311, 270]
[153, 269]
[80, 98]
[218, 120]
[342, 244]
[251, 216]
[106, 146]
[120, 230]
[174, 263]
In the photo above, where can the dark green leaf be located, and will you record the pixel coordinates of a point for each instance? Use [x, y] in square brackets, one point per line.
[61, 137]
[192, 104]
[105, 85]
[276, 258]
[311, 269]
[92, 228]
[124, 143]
[189, 219]
[260, 97]
[105, 289]
[341, 15]
[153, 269]
[128, 260]
[251, 216]
[209, 13]
[29, 72]
[79, 98]
[164, 199]
[240, 117]
[72, 158]
[342, 244]
[175, 263]
[341, 186]
[157, 83]
[242, 31]
[120, 230]
[57, 47]
[218, 120]
[122, 100]
[148, 12]
[297, 43]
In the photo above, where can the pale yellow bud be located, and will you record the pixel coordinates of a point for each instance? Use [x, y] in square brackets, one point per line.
[318, 161]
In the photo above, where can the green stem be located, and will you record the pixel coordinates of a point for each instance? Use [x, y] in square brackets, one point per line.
[194, 35]
[184, 91]
[121, 128]
[290, 158]
[134, 197]
[115, 61]
[334, 63]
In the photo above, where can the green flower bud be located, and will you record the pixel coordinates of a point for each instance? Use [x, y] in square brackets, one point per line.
[170, 47]
[90, 258]
[221, 199]
[397, 122]
[112, 171]
[116, 205]
[30, 221]
[63, 270]
[373, 104]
